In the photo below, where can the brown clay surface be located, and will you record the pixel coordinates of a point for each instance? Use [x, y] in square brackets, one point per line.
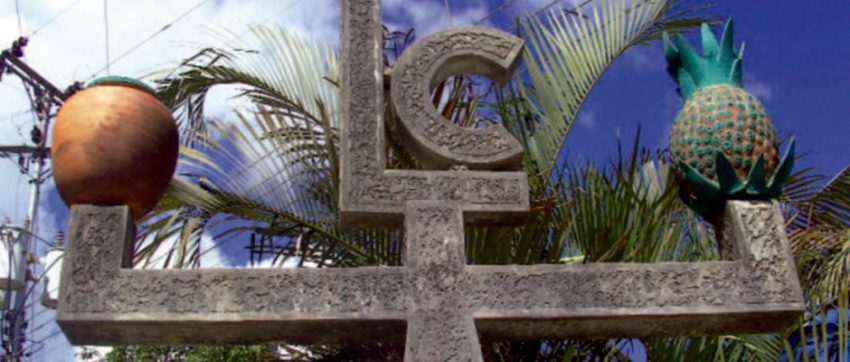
[112, 145]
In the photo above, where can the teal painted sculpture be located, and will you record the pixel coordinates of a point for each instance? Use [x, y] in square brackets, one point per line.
[722, 143]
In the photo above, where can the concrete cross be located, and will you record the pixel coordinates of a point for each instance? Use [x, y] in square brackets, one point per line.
[435, 303]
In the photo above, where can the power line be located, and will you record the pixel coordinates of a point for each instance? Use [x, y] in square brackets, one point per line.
[30, 234]
[449, 13]
[106, 33]
[17, 186]
[573, 11]
[59, 14]
[495, 11]
[18, 11]
[291, 5]
[149, 38]
[51, 335]
[43, 97]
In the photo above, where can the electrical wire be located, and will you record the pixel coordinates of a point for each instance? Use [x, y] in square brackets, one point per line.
[46, 313]
[29, 292]
[574, 9]
[34, 236]
[150, 37]
[33, 299]
[17, 196]
[17, 88]
[57, 16]
[243, 33]
[51, 335]
[6, 239]
[18, 11]
[49, 321]
[449, 13]
[44, 310]
[35, 347]
[47, 351]
[106, 33]
[291, 5]
[551, 4]
[495, 11]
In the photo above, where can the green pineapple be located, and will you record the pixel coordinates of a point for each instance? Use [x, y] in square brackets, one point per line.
[722, 143]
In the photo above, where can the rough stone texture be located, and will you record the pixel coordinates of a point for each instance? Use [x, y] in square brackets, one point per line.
[435, 302]
[373, 196]
[433, 140]
[438, 299]
[439, 328]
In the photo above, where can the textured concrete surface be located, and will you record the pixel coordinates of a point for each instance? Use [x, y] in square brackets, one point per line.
[433, 140]
[370, 195]
[441, 303]
[435, 303]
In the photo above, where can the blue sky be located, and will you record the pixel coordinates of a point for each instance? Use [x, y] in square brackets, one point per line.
[797, 61]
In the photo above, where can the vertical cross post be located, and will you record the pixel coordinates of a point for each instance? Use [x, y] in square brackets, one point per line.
[435, 302]
[438, 328]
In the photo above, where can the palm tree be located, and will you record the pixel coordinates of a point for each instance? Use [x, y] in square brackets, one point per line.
[272, 175]
[276, 165]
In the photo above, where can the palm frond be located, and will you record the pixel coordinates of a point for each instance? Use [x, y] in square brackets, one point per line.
[284, 73]
[830, 205]
[819, 230]
[569, 52]
[766, 348]
[274, 167]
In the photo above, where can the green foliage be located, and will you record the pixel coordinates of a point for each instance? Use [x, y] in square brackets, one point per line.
[719, 63]
[708, 197]
[818, 221]
[274, 173]
[568, 52]
[255, 353]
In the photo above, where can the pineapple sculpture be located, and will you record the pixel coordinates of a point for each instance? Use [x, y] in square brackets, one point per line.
[722, 143]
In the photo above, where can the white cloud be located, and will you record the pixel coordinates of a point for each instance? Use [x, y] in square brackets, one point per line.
[645, 58]
[430, 16]
[211, 256]
[72, 48]
[586, 118]
[758, 88]
[91, 353]
[527, 7]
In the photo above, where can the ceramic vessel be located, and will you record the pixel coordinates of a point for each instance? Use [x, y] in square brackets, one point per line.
[114, 143]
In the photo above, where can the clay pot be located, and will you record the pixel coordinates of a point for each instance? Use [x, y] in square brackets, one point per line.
[114, 143]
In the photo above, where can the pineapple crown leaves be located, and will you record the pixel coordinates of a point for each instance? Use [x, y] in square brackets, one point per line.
[708, 196]
[719, 63]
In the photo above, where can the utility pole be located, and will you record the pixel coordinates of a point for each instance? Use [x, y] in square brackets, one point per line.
[45, 99]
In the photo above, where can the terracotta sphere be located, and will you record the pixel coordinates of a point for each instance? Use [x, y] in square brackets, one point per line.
[114, 143]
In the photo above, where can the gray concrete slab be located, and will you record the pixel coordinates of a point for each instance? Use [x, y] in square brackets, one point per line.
[436, 303]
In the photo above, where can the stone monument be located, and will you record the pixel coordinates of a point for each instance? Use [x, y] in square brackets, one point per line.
[435, 303]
